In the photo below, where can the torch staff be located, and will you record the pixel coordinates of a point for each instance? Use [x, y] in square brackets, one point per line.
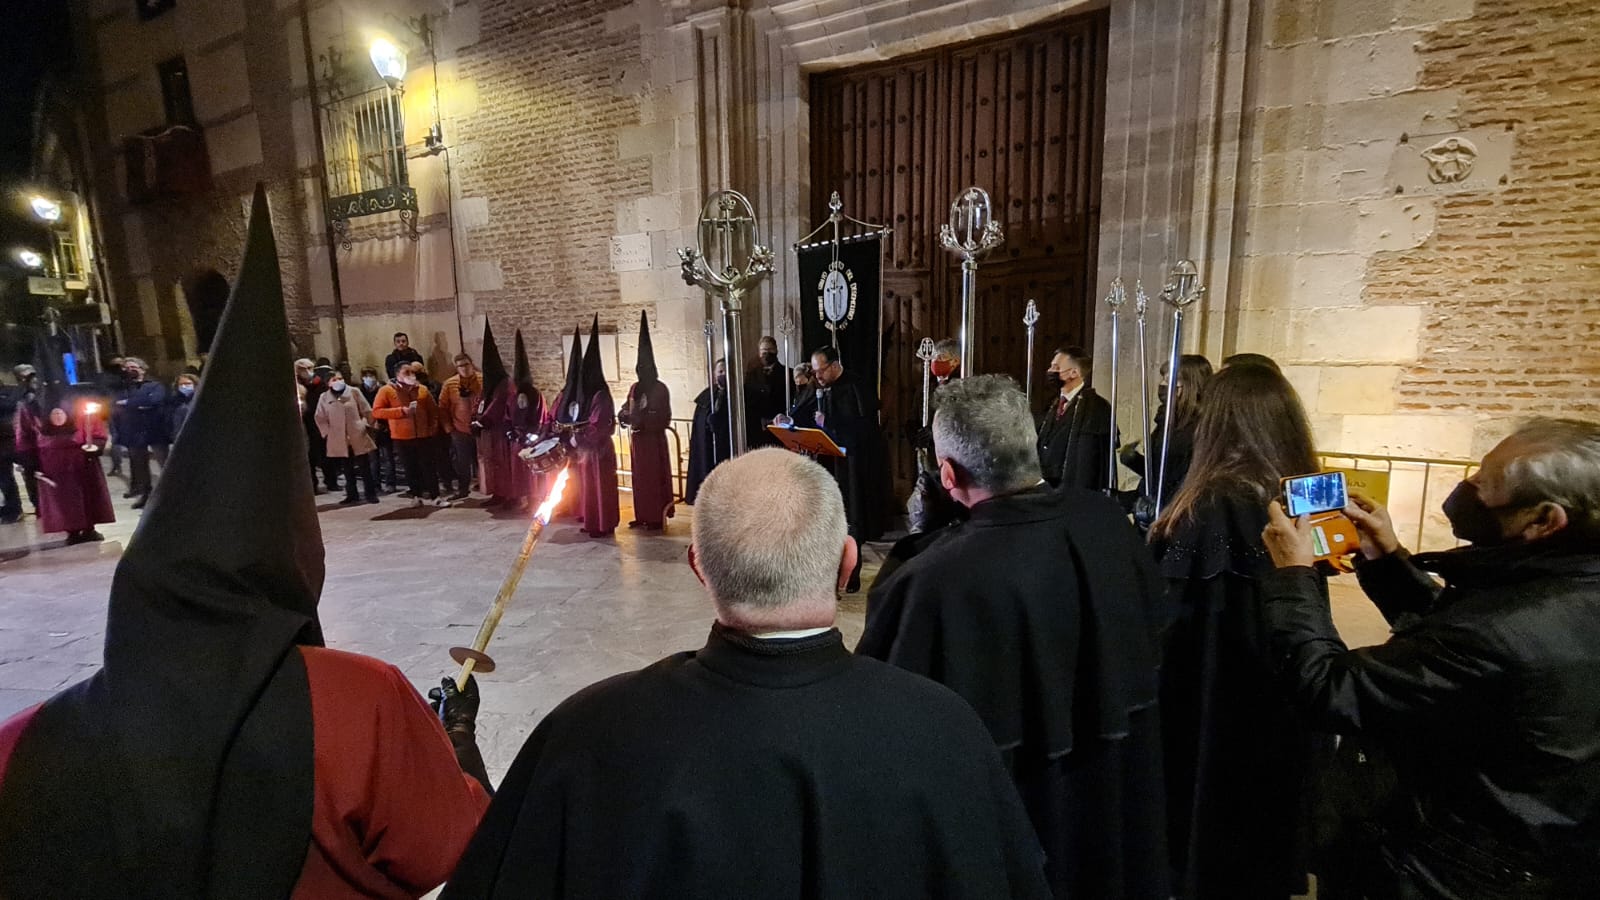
[473, 657]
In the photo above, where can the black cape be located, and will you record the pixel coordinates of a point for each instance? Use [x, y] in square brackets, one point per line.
[1238, 756]
[708, 441]
[1074, 448]
[749, 768]
[1042, 610]
[850, 417]
[183, 767]
[764, 401]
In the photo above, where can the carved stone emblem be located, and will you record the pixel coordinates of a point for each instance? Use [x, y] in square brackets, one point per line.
[1450, 160]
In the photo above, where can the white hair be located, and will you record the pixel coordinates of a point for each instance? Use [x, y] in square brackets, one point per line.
[769, 528]
[1562, 466]
[984, 427]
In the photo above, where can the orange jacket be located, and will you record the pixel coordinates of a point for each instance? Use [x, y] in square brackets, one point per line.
[393, 404]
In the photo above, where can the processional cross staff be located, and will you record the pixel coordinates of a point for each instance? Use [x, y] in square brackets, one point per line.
[925, 353]
[1030, 318]
[1117, 296]
[728, 227]
[786, 328]
[1182, 291]
[970, 234]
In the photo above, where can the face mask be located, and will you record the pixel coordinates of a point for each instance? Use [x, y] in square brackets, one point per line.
[942, 368]
[1471, 519]
[522, 401]
[337, 387]
[769, 359]
[369, 381]
[408, 380]
[1053, 380]
[186, 390]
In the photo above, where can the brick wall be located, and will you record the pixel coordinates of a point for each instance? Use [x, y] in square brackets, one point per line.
[1511, 324]
[544, 155]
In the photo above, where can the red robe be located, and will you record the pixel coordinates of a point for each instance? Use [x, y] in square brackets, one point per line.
[393, 811]
[72, 488]
[598, 468]
[527, 425]
[648, 412]
[497, 457]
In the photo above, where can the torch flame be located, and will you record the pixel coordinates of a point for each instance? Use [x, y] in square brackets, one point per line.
[548, 507]
[91, 408]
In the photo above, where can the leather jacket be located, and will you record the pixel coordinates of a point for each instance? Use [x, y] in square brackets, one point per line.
[1487, 696]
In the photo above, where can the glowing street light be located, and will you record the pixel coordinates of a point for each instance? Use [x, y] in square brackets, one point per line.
[30, 258]
[46, 209]
[389, 60]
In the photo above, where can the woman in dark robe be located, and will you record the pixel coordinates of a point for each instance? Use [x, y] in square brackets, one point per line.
[73, 496]
[1238, 756]
[647, 415]
[709, 438]
[1193, 372]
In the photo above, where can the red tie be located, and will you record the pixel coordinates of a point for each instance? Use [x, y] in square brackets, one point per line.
[1061, 408]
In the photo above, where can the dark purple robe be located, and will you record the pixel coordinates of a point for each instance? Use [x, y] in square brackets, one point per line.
[72, 488]
[497, 458]
[648, 413]
[598, 468]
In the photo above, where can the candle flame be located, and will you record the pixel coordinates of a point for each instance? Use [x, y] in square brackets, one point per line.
[91, 408]
[548, 507]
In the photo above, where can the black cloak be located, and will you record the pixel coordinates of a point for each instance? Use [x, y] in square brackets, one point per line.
[850, 417]
[1074, 447]
[183, 767]
[1042, 610]
[708, 439]
[749, 768]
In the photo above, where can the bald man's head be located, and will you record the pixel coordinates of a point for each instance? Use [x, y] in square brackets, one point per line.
[769, 541]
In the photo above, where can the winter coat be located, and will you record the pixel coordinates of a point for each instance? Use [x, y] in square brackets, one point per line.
[394, 406]
[140, 415]
[342, 419]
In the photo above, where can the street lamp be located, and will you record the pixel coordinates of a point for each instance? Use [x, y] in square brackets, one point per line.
[389, 60]
[30, 258]
[46, 209]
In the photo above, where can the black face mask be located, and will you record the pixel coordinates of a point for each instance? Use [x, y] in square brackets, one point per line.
[1471, 519]
[769, 359]
[1053, 380]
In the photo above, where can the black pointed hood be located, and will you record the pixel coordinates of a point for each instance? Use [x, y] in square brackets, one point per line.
[523, 376]
[572, 390]
[184, 766]
[645, 368]
[594, 374]
[494, 368]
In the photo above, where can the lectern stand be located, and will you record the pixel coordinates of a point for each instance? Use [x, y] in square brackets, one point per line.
[810, 441]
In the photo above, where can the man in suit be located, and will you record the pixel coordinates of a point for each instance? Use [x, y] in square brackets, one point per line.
[1074, 441]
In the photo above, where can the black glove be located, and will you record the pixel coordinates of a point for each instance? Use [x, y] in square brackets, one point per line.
[477, 428]
[1131, 457]
[457, 709]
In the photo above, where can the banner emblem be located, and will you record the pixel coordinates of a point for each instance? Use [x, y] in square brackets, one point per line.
[836, 300]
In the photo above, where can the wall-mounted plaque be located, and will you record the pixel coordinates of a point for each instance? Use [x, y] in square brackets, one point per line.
[1454, 162]
[630, 252]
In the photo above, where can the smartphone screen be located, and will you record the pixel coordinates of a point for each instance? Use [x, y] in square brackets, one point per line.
[1317, 493]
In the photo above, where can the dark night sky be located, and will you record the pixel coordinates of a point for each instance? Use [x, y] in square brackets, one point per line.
[34, 37]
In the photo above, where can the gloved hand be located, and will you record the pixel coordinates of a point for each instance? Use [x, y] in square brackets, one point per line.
[457, 709]
[1130, 456]
[477, 428]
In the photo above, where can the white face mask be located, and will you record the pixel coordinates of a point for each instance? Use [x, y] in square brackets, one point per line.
[522, 401]
[408, 380]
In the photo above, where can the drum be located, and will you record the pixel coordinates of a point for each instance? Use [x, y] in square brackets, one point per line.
[546, 456]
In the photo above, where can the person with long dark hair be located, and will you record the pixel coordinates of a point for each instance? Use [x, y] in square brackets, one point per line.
[1193, 372]
[1237, 753]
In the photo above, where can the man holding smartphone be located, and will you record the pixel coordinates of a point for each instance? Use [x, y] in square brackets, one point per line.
[1488, 694]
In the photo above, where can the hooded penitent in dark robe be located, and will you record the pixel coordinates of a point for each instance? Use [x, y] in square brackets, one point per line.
[496, 455]
[527, 424]
[708, 438]
[1042, 610]
[72, 488]
[753, 769]
[220, 751]
[850, 417]
[563, 418]
[648, 415]
[1238, 755]
[597, 456]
